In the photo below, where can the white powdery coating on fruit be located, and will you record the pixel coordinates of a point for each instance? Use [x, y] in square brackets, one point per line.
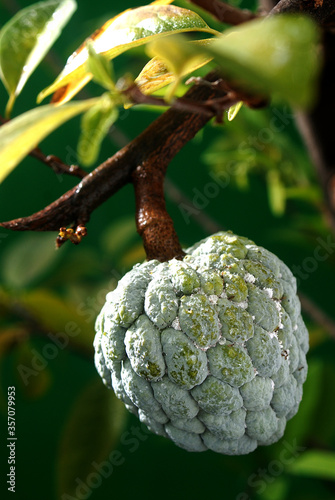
[242, 305]
[213, 299]
[218, 365]
[280, 310]
[249, 278]
[176, 324]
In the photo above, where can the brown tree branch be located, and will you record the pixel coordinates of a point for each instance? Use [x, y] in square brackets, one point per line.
[322, 11]
[224, 12]
[57, 165]
[317, 315]
[162, 139]
[154, 224]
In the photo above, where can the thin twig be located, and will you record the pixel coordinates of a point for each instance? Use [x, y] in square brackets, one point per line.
[317, 315]
[165, 137]
[55, 163]
[180, 199]
[209, 107]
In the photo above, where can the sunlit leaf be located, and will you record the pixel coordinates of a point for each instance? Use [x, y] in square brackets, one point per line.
[313, 194]
[277, 56]
[19, 136]
[57, 316]
[65, 94]
[132, 28]
[100, 67]
[162, 2]
[27, 259]
[157, 74]
[276, 192]
[314, 463]
[233, 110]
[95, 124]
[178, 62]
[90, 433]
[25, 40]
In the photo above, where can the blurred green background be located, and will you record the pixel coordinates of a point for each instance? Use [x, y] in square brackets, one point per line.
[252, 176]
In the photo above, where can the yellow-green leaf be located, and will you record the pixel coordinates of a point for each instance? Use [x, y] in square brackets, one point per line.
[19, 136]
[95, 124]
[25, 40]
[100, 68]
[276, 192]
[132, 28]
[162, 2]
[314, 463]
[171, 62]
[233, 110]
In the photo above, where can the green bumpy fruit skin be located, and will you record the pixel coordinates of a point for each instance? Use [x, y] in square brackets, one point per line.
[209, 351]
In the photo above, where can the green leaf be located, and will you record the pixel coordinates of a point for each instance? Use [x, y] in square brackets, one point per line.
[276, 192]
[132, 28]
[314, 463]
[100, 68]
[157, 73]
[27, 259]
[233, 110]
[178, 62]
[19, 136]
[94, 127]
[277, 56]
[276, 490]
[25, 40]
[90, 433]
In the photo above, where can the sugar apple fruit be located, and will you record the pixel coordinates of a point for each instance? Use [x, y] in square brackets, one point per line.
[209, 351]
